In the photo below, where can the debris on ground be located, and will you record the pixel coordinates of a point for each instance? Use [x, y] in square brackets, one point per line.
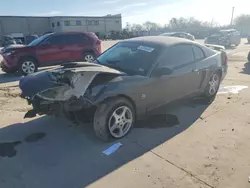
[231, 89]
[112, 149]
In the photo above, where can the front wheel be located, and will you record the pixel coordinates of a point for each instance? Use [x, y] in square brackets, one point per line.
[114, 119]
[212, 86]
[28, 66]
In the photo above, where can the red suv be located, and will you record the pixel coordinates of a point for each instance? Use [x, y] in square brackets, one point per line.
[51, 49]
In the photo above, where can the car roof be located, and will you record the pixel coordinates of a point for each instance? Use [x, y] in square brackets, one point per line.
[72, 32]
[227, 30]
[161, 41]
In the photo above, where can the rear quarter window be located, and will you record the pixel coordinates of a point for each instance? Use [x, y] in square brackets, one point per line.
[207, 51]
[198, 53]
[180, 54]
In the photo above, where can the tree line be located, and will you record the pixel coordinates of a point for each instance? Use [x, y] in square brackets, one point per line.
[191, 25]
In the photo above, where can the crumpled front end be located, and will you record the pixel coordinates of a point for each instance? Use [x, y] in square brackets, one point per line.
[59, 90]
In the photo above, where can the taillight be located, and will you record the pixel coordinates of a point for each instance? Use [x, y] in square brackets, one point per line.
[224, 58]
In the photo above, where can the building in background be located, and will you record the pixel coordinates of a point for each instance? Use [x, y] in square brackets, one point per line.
[38, 25]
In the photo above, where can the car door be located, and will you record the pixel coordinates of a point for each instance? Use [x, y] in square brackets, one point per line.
[200, 67]
[182, 81]
[53, 50]
[76, 45]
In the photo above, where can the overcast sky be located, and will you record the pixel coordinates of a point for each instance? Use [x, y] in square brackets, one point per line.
[134, 11]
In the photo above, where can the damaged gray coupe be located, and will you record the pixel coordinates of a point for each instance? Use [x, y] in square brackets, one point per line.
[126, 83]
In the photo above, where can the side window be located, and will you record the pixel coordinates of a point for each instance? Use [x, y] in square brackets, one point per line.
[55, 40]
[75, 38]
[176, 35]
[183, 35]
[198, 53]
[180, 55]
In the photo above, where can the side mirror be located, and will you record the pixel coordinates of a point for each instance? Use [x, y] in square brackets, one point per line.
[162, 71]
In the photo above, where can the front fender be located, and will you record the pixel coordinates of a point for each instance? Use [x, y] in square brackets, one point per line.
[138, 103]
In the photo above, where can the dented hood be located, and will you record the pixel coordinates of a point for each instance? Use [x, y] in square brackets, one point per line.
[63, 83]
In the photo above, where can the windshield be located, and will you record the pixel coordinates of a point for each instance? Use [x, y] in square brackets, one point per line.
[38, 40]
[131, 58]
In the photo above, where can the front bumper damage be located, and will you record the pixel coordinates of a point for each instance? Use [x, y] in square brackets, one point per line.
[42, 107]
[60, 90]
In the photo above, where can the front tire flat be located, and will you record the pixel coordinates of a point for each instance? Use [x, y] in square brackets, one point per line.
[114, 119]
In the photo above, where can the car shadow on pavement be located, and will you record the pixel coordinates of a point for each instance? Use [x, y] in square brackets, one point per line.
[6, 78]
[61, 154]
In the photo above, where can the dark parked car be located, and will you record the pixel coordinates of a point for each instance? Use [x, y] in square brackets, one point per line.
[180, 35]
[225, 38]
[51, 49]
[127, 82]
[30, 38]
[7, 40]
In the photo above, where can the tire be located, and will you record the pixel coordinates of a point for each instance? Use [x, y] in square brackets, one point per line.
[248, 57]
[30, 64]
[212, 88]
[89, 57]
[105, 125]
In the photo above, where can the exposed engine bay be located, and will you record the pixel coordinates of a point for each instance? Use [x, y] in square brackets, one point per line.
[62, 88]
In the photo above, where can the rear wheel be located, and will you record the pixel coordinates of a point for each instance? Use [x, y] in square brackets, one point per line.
[28, 66]
[212, 86]
[114, 119]
[89, 57]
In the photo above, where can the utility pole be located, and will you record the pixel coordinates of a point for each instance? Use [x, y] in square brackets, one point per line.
[232, 16]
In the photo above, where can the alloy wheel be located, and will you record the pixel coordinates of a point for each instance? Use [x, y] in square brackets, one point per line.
[28, 67]
[89, 58]
[120, 121]
[214, 84]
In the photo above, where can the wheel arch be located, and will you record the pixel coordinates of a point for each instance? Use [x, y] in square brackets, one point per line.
[28, 56]
[121, 96]
[219, 71]
[88, 51]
